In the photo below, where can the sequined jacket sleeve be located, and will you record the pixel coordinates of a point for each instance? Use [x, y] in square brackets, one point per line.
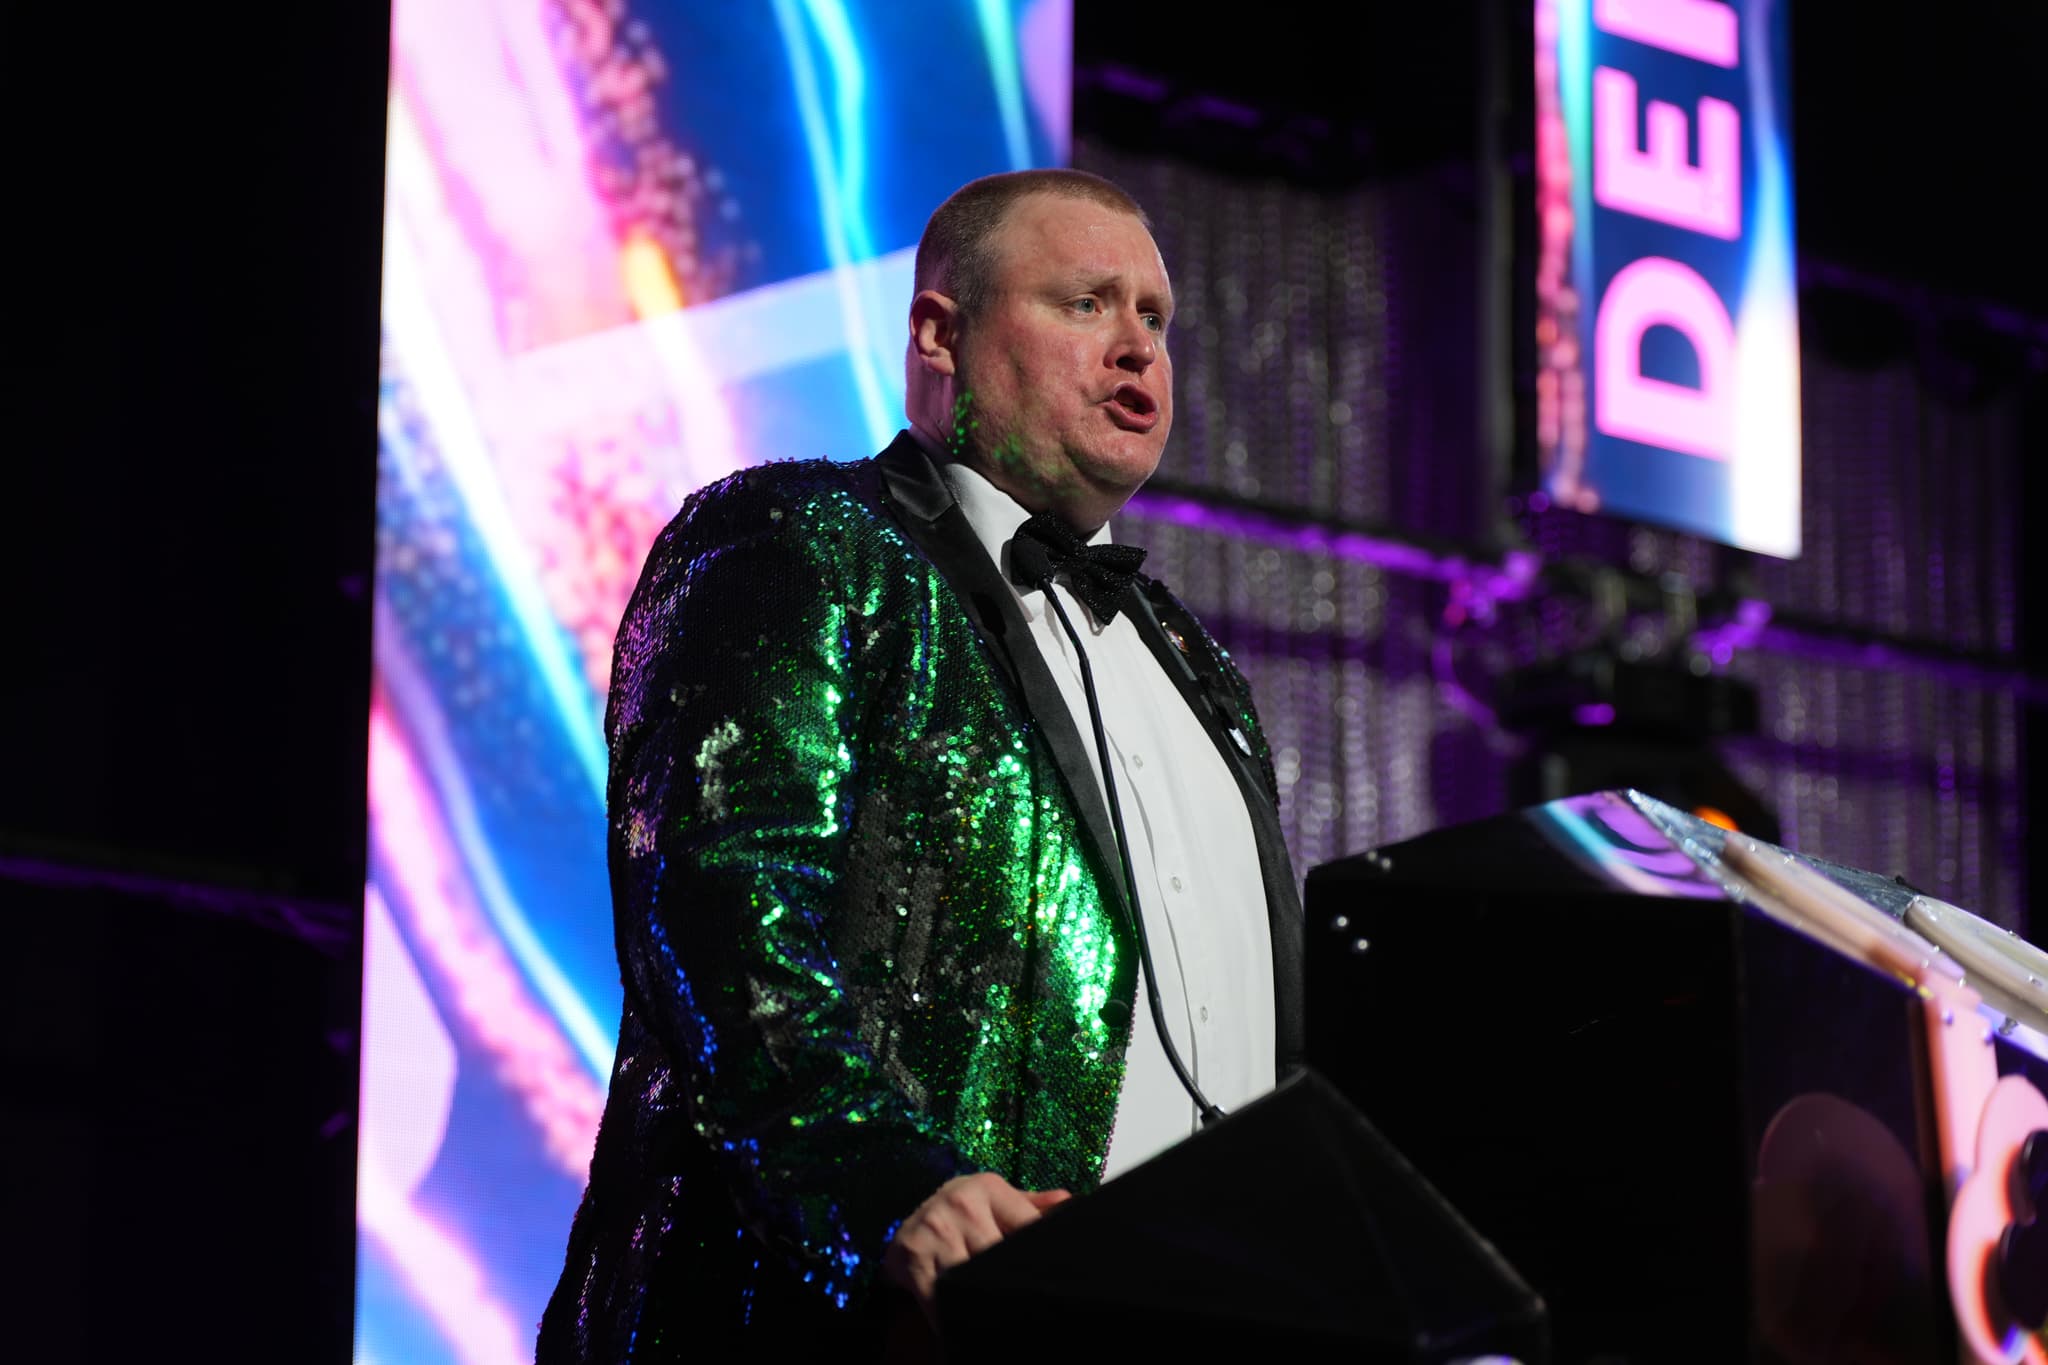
[746, 694]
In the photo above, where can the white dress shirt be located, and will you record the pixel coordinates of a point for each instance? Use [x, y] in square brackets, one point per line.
[1192, 852]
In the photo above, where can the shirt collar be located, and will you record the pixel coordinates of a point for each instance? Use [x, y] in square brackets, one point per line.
[995, 517]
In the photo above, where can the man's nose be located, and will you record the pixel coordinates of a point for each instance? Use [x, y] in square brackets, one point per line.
[1137, 345]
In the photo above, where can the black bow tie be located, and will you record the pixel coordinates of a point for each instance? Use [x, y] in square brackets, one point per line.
[1046, 547]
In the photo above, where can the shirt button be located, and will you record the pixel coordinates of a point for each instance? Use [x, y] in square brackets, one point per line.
[1137, 760]
[1205, 1014]
[1176, 883]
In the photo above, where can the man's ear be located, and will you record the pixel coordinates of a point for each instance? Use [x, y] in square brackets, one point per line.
[935, 331]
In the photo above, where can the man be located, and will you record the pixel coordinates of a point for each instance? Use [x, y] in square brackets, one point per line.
[883, 996]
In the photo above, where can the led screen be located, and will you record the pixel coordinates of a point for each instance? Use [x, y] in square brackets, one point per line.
[629, 247]
[1668, 348]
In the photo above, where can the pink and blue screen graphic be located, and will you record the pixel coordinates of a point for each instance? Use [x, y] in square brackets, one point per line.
[1668, 351]
[630, 246]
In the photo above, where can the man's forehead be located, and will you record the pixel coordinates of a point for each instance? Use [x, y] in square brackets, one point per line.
[1054, 234]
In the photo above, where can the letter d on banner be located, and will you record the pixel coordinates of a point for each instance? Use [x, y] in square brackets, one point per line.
[1651, 292]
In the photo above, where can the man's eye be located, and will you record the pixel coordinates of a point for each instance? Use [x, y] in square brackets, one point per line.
[1085, 305]
[1156, 322]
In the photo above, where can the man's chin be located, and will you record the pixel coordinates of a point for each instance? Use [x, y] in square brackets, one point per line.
[1122, 466]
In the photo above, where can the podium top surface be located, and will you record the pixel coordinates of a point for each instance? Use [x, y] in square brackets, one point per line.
[1621, 841]
[1625, 843]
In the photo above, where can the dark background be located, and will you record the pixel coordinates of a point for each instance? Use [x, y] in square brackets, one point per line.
[190, 526]
[189, 531]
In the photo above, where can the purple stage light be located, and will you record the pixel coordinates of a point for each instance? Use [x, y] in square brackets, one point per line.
[1511, 580]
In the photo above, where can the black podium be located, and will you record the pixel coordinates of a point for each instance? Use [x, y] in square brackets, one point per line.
[1700, 1133]
[1289, 1231]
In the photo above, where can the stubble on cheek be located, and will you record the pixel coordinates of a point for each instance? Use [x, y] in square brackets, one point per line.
[960, 438]
[969, 440]
[1006, 453]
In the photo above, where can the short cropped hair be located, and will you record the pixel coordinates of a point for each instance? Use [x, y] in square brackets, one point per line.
[956, 256]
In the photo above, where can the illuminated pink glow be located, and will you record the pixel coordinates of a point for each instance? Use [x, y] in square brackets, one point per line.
[1700, 29]
[506, 252]
[528, 1052]
[408, 1062]
[1656, 291]
[1645, 846]
[609, 504]
[1655, 181]
[1652, 867]
[443, 1276]
[1045, 42]
[1560, 380]
[518, 244]
[1982, 1212]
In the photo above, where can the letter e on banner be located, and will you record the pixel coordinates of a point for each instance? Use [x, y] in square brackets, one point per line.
[1656, 291]
[1655, 182]
[1700, 29]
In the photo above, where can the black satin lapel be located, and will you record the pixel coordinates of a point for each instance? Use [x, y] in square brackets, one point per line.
[1276, 871]
[912, 480]
[923, 506]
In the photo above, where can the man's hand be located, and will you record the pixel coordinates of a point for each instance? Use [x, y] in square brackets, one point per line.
[968, 1214]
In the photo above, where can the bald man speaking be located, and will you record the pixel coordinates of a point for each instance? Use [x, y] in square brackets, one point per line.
[946, 869]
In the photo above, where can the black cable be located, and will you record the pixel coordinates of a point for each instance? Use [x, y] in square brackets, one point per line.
[1029, 558]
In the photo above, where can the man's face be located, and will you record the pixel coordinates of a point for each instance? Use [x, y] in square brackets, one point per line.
[1067, 365]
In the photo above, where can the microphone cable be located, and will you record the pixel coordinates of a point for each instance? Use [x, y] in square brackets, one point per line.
[1029, 557]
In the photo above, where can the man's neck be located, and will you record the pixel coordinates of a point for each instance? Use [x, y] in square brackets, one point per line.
[944, 448]
[932, 442]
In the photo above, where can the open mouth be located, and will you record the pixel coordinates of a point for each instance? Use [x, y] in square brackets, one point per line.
[1133, 409]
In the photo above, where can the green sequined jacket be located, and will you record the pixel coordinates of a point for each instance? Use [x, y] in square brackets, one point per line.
[867, 906]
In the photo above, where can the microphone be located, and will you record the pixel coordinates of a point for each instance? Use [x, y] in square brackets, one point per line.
[1031, 562]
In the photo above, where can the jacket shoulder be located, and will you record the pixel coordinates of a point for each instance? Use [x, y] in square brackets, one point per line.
[805, 511]
[780, 495]
[794, 524]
